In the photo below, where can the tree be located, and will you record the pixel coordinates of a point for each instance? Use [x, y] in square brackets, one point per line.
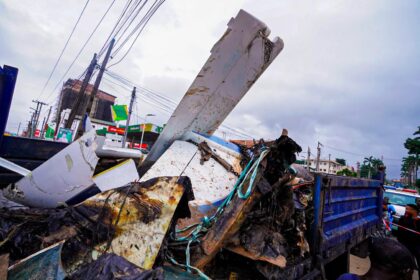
[347, 172]
[370, 167]
[367, 164]
[409, 167]
[341, 161]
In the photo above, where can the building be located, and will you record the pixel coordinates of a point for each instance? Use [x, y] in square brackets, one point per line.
[327, 166]
[101, 106]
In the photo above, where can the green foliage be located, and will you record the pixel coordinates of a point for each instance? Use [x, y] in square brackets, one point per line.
[347, 172]
[409, 165]
[341, 161]
[370, 167]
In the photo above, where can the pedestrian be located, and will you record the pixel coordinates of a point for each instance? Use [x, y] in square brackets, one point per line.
[389, 260]
[408, 232]
[418, 202]
[388, 211]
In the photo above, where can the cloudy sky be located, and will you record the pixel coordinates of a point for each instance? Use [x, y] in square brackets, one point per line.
[349, 74]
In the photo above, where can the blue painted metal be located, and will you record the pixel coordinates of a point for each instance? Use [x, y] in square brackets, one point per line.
[221, 142]
[317, 211]
[8, 76]
[45, 264]
[347, 211]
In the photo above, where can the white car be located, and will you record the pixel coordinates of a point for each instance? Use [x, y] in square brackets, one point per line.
[399, 199]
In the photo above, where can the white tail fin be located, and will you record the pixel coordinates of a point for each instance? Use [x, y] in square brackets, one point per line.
[237, 60]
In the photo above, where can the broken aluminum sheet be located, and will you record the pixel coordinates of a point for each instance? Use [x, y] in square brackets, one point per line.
[237, 60]
[210, 181]
[45, 264]
[117, 176]
[60, 178]
[141, 219]
[104, 150]
[14, 167]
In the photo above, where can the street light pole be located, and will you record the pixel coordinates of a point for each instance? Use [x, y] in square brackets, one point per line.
[142, 129]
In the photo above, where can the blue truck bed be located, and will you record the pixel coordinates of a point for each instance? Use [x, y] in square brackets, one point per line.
[346, 212]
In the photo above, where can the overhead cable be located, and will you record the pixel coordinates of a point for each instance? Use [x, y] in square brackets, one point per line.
[64, 48]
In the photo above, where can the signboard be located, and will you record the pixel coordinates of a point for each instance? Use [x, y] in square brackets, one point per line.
[148, 127]
[115, 129]
[64, 135]
[137, 146]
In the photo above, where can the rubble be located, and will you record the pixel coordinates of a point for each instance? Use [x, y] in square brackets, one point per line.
[199, 200]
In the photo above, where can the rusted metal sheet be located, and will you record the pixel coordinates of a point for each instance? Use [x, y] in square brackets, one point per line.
[237, 60]
[227, 225]
[45, 264]
[140, 217]
[60, 178]
[4, 264]
[279, 261]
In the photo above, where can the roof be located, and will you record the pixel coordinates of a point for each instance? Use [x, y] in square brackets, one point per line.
[247, 143]
[77, 84]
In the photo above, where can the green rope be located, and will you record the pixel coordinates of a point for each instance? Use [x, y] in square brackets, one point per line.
[251, 169]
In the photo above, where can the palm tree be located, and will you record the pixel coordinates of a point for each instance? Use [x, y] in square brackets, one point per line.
[368, 162]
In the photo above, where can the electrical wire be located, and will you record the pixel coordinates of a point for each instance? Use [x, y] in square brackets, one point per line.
[355, 154]
[127, 5]
[84, 45]
[135, 11]
[64, 48]
[145, 19]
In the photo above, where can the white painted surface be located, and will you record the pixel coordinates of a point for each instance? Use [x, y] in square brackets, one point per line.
[60, 178]
[236, 62]
[211, 182]
[104, 150]
[117, 176]
[14, 167]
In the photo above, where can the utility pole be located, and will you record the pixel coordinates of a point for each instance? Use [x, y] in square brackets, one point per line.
[308, 161]
[358, 169]
[81, 95]
[45, 123]
[142, 130]
[329, 163]
[35, 119]
[130, 110]
[318, 156]
[17, 133]
[88, 108]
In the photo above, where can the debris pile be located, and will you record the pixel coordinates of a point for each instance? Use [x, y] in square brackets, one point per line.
[132, 229]
[198, 201]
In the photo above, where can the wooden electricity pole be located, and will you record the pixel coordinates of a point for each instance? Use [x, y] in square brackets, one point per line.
[81, 95]
[45, 122]
[88, 107]
[308, 160]
[318, 156]
[130, 110]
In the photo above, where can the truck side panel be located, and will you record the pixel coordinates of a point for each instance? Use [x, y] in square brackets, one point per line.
[350, 210]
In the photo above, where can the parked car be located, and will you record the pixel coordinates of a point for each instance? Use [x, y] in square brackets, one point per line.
[399, 198]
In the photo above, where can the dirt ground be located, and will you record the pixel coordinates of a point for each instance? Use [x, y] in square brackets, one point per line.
[360, 266]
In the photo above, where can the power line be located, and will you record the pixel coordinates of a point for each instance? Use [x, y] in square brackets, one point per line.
[127, 5]
[64, 48]
[163, 101]
[135, 11]
[145, 19]
[356, 154]
[84, 45]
